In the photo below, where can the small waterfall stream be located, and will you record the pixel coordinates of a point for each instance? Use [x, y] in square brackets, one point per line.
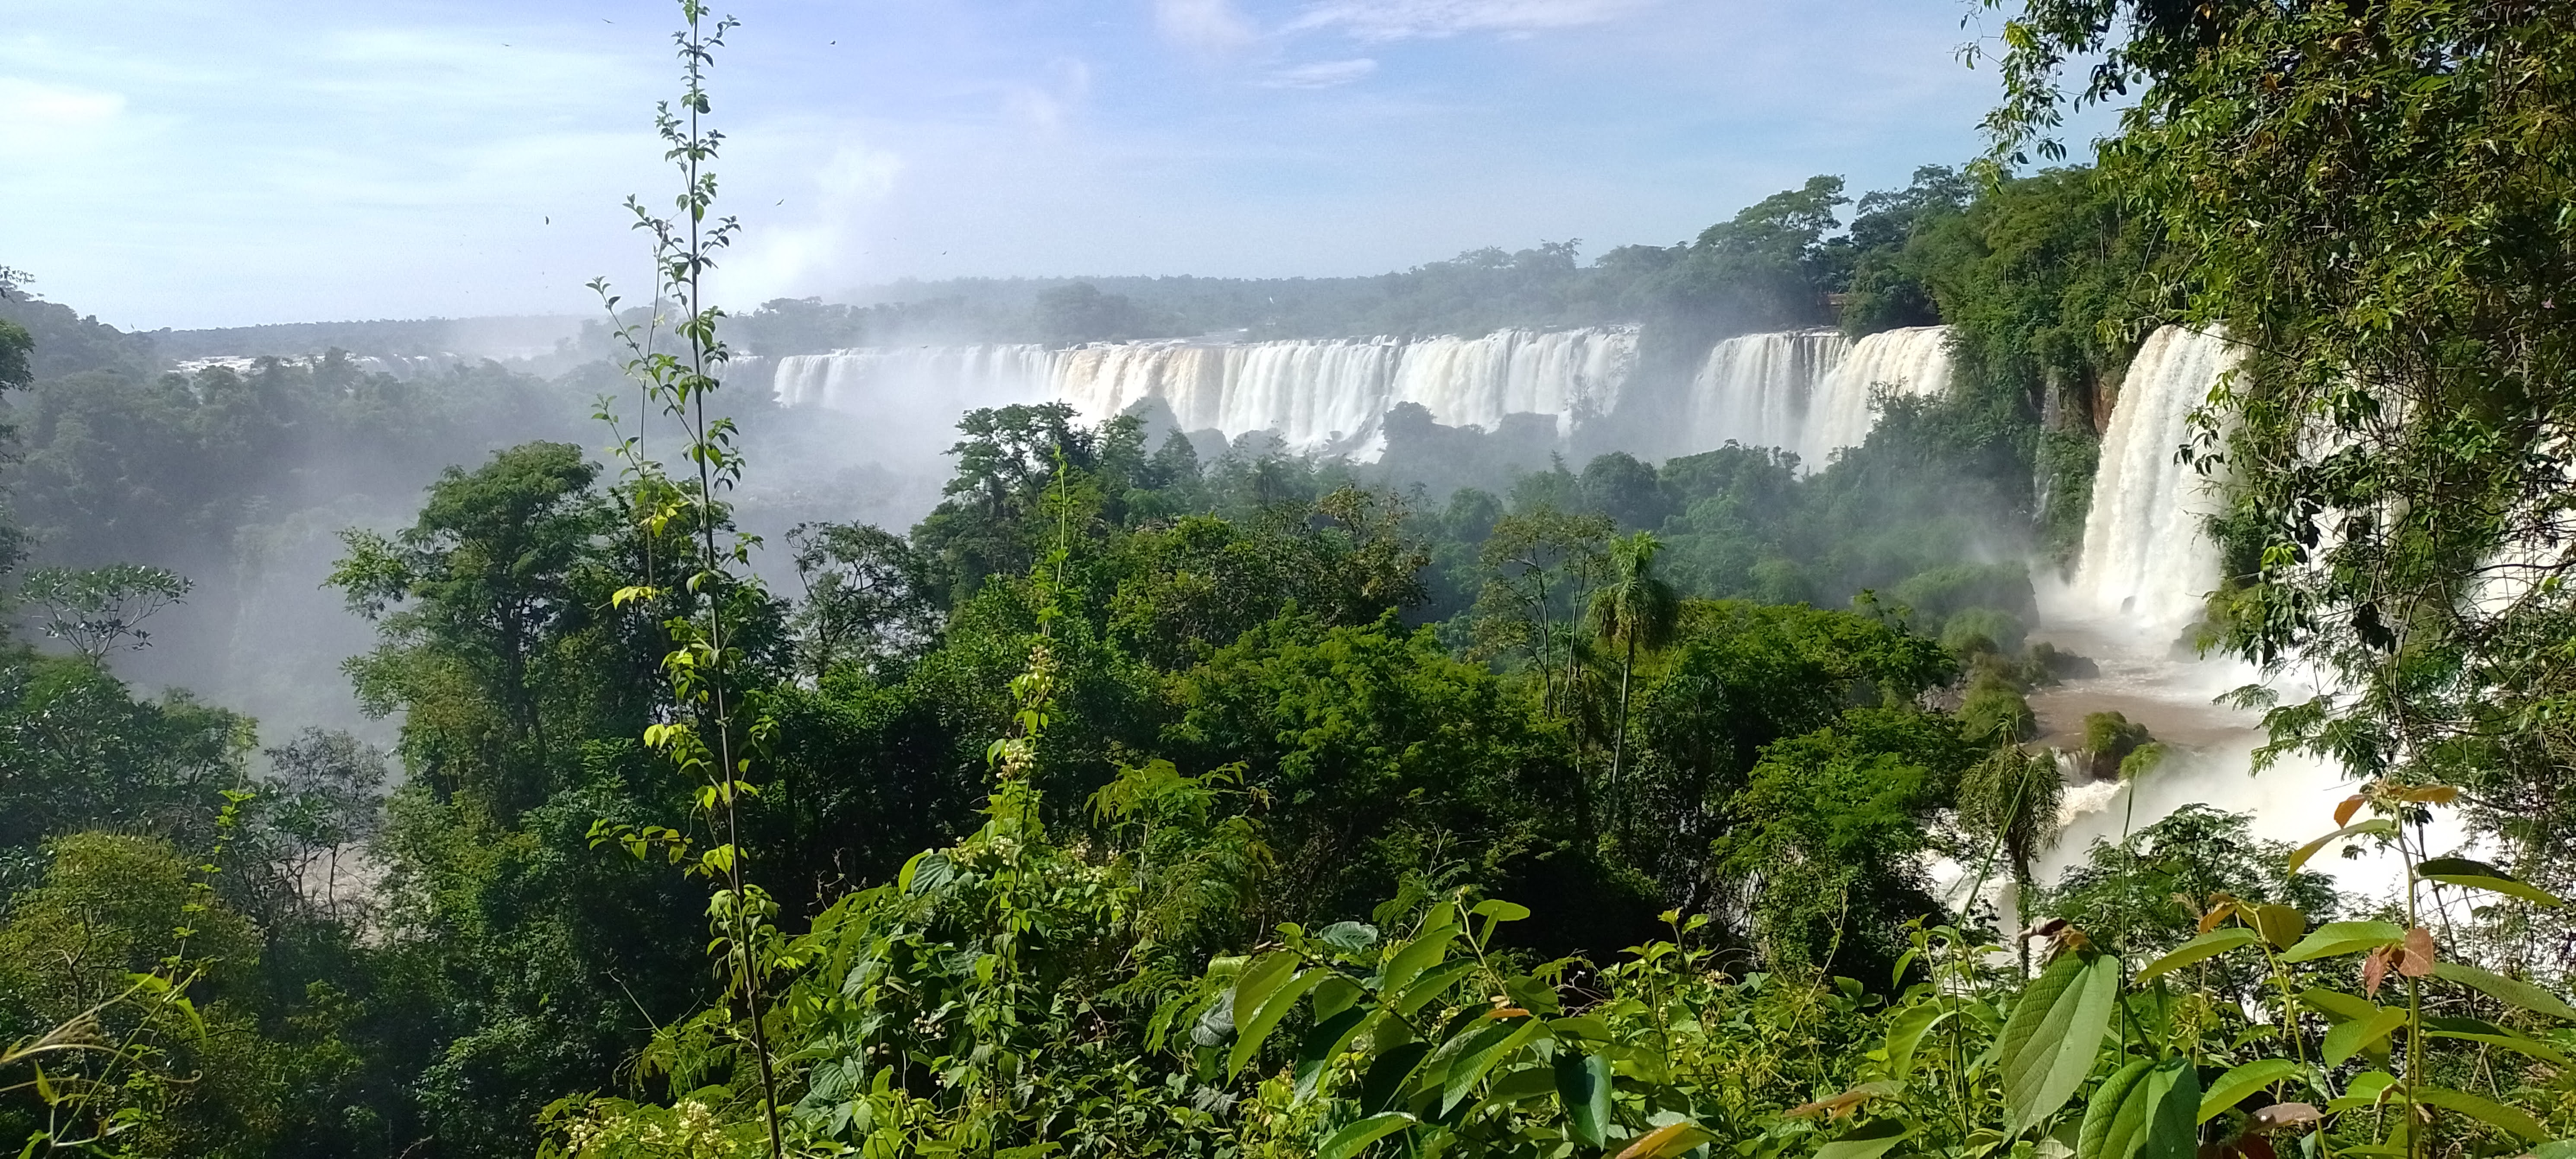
[2146, 559]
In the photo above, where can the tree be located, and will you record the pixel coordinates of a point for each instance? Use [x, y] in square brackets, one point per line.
[469, 600]
[1077, 313]
[324, 797]
[1771, 265]
[1633, 608]
[2009, 804]
[1385, 758]
[864, 598]
[122, 941]
[98, 610]
[1826, 851]
[15, 344]
[1543, 564]
[78, 750]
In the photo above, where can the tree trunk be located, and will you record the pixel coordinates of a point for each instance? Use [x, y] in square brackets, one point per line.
[1619, 739]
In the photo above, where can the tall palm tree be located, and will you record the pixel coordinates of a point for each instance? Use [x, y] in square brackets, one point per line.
[1634, 609]
[2011, 800]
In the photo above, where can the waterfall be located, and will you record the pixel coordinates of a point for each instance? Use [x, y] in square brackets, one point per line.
[1328, 394]
[1318, 396]
[1754, 389]
[1808, 391]
[868, 380]
[1912, 361]
[911, 395]
[1321, 395]
[2146, 559]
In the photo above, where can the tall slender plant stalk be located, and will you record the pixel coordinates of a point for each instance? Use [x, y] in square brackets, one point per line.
[702, 735]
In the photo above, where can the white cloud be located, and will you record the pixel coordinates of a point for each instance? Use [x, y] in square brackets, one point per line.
[804, 249]
[1379, 20]
[43, 115]
[1044, 104]
[1209, 27]
[1322, 74]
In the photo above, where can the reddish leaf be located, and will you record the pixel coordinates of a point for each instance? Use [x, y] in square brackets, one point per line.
[2350, 806]
[2281, 1116]
[2415, 957]
[2373, 969]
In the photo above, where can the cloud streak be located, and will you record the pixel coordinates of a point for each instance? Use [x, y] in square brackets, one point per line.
[1391, 20]
[1212, 28]
[1322, 74]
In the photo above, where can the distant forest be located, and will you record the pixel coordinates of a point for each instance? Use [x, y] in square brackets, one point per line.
[1790, 260]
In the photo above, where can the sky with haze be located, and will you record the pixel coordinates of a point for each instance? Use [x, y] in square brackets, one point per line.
[204, 164]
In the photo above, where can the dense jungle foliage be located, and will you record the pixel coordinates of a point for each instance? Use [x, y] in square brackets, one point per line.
[1136, 802]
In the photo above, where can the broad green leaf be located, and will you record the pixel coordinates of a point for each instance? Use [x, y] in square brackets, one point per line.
[2365, 1090]
[2480, 875]
[1351, 1139]
[1868, 1141]
[1905, 1031]
[1469, 1068]
[1522, 1084]
[1259, 977]
[1670, 1139]
[2054, 1034]
[2197, 950]
[2497, 1115]
[1583, 1026]
[1433, 983]
[2378, 825]
[1385, 1078]
[1249, 1032]
[2335, 938]
[2145, 1110]
[2560, 1149]
[2476, 1030]
[1583, 1087]
[1348, 937]
[1415, 957]
[1337, 994]
[2281, 925]
[2345, 1040]
[2337, 1005]
[1321, 1044]
[2232, 1087]
[2510, 991]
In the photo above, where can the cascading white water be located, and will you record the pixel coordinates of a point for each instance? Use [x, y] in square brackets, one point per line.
[1754, 389]
[944, 377]
[911, 395]
[1913, 362]
[2146, 565]
[1323, 395]
[1328, 395]
[2146, 559]
[1809, 391]
[1314, 395]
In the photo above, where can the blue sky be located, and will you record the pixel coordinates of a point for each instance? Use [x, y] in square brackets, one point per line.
[201, 164]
